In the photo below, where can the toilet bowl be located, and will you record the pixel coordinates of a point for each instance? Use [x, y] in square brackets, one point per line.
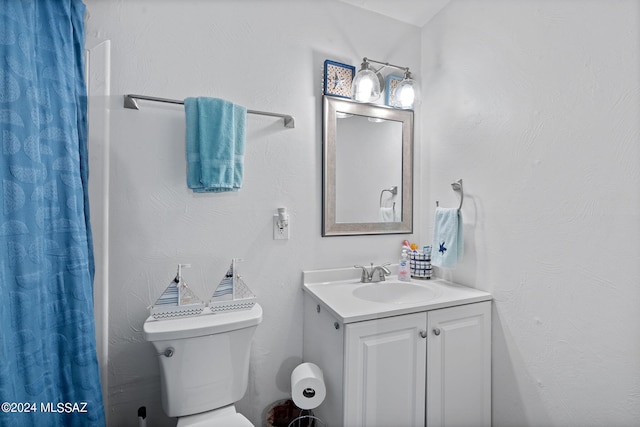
[204, 365]
[223, 417]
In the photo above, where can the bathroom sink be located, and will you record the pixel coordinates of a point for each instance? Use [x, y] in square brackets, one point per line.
[341, 293]
[396, 292]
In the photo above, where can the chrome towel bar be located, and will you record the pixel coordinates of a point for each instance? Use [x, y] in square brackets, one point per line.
[130, 102]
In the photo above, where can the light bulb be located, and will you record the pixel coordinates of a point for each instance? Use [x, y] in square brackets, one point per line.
[406, 92]
[366, 85]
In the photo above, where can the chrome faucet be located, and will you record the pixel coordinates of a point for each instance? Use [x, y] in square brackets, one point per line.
[379, 273]
[373, 274]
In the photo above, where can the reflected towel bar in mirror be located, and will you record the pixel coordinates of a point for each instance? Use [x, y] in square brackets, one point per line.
[130, 102]
[393, 190]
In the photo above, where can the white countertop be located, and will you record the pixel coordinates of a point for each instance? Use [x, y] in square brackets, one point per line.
[335, 288]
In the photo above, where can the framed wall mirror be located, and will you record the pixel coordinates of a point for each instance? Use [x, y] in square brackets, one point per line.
[367, 168]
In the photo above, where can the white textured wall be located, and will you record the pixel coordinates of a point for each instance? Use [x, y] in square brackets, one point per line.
[266, 55]
[536, 105]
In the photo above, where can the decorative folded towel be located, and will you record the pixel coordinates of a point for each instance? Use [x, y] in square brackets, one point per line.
[215, 144]
[447, 238]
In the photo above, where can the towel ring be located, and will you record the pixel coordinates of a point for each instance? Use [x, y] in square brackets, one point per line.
[457, 186]
[393, 190]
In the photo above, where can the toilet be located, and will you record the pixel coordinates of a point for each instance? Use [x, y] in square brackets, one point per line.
[204, 365]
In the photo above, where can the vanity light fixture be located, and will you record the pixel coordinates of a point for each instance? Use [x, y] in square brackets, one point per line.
[367, 84]
[405, 92]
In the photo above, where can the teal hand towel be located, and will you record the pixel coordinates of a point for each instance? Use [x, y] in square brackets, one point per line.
[215, 144]
[447, 238]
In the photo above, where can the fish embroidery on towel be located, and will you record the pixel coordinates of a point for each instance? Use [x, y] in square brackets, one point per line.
[442, 249]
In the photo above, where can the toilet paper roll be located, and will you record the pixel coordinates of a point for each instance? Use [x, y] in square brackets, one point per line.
[307, 386]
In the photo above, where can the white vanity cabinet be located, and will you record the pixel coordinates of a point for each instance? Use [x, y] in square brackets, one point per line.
[431, 367]
[459, 366]
[385, 371]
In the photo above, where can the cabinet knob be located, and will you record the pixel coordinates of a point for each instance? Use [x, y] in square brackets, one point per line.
[423, 334]
[436, 331]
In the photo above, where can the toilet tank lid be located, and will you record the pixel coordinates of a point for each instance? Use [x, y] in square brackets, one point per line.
[204, 324]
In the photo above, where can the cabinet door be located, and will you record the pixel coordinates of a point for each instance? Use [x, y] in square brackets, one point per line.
[385, 372]
[459, 366]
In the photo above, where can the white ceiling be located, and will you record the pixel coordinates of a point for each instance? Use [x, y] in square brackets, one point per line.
[416, 12]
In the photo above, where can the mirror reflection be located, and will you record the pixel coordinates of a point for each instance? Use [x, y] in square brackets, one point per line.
[367, 168]
[369, 178]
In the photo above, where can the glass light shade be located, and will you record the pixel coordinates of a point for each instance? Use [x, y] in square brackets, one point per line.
[366, 86]
[406, 93]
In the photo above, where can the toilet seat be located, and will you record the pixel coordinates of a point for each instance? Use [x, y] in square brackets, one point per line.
[223, 417]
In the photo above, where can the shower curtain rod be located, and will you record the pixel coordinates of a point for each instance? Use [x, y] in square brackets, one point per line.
[130, 102]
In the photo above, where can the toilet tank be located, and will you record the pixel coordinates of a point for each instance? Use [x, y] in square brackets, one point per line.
[204, 360]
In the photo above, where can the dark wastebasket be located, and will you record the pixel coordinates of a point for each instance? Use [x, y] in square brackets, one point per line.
[282, 412]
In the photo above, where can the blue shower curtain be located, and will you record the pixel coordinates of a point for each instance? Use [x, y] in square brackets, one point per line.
[48, 366]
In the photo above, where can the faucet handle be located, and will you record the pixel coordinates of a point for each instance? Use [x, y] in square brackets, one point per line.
[366, 275]
[382, 271]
